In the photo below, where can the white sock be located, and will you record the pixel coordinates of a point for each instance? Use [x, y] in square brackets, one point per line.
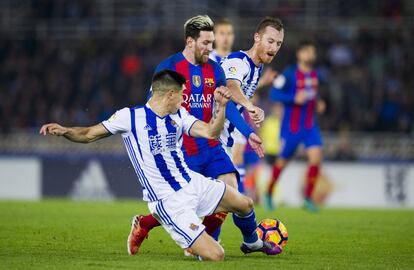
[256, 245]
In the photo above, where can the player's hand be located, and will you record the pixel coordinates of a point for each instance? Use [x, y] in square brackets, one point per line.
[53, 129]
[321, 106]
[256, 114]
[222, 95]
[300, 98]
[269, 75]
[256, 144]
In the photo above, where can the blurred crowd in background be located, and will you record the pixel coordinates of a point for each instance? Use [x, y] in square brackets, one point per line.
[367, 71]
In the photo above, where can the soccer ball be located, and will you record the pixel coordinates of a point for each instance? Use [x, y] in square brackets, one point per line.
[272, 230]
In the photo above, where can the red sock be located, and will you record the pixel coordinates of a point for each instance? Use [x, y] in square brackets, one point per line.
[148, 222]
[214, 221]
[276, 170]
[313, 173]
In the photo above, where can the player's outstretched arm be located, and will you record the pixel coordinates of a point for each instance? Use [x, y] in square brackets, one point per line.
[76, 134]
[213, 129]
[234, 116]
[237, 94]
[255, 112]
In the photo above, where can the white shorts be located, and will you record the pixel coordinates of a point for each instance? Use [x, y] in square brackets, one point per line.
[180, 212]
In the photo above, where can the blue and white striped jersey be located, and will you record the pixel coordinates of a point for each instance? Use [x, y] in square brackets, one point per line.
[215, 57]
[239, 66]
[154, 144]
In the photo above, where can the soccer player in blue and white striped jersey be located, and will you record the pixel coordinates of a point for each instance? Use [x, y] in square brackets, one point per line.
[176, 195]
[243, 70]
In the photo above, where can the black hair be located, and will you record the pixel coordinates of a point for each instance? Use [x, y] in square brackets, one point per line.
[167, 79]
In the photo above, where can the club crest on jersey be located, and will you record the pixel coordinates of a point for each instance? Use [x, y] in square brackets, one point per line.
[196, 80]
[194, 227]
[173, 123]
[209, 82]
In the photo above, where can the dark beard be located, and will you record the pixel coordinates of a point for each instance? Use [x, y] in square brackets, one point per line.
[199, 59]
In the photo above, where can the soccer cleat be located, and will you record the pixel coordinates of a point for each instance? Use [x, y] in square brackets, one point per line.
[269, 202]
[268, 248]
[136, 236]
[309, 205]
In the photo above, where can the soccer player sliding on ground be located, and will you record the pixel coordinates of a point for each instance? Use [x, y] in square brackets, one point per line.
[205, 156]
[297, 90]
[176, 195]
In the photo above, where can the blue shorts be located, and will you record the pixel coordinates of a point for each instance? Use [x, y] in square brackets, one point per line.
[290, 141]
[212, 162]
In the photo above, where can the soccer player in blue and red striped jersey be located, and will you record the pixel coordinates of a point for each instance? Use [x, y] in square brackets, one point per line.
[205, 156]
[297, 90]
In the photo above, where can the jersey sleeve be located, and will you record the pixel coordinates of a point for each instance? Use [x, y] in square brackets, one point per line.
[281, 90]
[188, 120]
[221, 79]
[235, 69]
[119, 122]
[234, 116]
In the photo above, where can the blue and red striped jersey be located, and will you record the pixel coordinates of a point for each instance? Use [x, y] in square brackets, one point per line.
[296, 118]
[202, 80]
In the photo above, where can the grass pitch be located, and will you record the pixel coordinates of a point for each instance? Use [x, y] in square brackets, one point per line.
[58, 234]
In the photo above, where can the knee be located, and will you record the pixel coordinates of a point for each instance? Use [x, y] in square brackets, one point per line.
[247, 205]
[216, 254]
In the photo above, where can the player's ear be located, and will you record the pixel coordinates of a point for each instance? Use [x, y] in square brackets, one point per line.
[189, 42]
[170, 93]
[257, 37]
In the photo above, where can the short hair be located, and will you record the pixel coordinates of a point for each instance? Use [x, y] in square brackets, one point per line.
[222, 22]
[166, 80]
[195, 25]
[269, 21]
[305, 43]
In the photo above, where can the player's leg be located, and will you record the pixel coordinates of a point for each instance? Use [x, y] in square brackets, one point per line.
[207, 248]
[179, 216]
[313, 145]
[213, 222]
[219, 167]
[245, 219]
[215, 196]
[289, 143]
[142, 225]
[314, 155]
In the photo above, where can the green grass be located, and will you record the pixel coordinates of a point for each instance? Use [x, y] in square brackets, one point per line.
[57, 234]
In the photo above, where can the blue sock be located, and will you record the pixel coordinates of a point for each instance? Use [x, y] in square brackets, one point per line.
[247, 226]
[242, 173]
[216, 234]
